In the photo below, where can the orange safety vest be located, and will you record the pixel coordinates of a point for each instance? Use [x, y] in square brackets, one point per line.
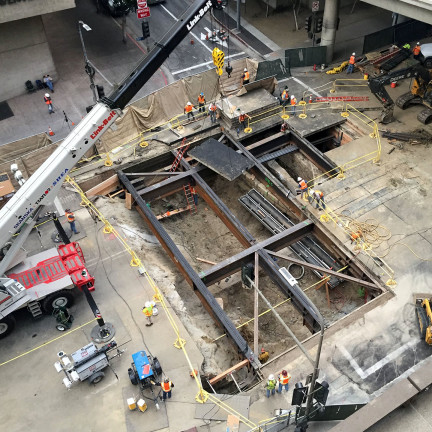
[192, 189]
[319, 194]
[48, 101]
[293, 101]
[166, 387]
[356, 235]
[284, 379]
[416, 50]
[303, 185]
[352, 60]
[285, 95]
[242, 118]
[213, 107]
[201, 99]
[246, 76]
[188, 108]
[70, 217]
[148, 311]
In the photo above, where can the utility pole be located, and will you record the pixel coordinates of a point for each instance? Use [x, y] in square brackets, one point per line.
[238, 15]
[330, 25]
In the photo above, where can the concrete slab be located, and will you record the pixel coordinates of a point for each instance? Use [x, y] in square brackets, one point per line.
[316, 121]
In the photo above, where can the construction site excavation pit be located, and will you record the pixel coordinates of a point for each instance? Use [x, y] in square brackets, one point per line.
[207, 224]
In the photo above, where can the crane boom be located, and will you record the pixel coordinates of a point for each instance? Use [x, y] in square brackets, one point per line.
[43, 186]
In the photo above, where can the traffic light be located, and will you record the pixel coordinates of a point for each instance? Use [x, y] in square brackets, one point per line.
[145, 29]
[321, 392]
[100, 91]
[299, 394]
[308, 23]
[318, 25]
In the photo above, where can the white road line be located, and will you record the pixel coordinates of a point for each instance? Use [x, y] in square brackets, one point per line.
[302, 84]
[378, 365]
[202, 64]
[192, 33]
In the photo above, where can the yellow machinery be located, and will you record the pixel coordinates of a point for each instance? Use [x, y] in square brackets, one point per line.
[424, 318]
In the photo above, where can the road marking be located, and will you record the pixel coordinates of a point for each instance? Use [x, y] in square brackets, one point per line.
[378, 365]
[217, 40]
[302, 84]
[192, 33]
[202, 64]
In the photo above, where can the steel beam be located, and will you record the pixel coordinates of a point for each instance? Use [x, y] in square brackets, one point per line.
[327, 271]
[279, 241]
[205, 295]
[221, 210]
[317, 157]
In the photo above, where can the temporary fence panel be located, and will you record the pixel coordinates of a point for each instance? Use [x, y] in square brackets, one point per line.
[271, 68]
[300, 57]
[331, 412]
[399, 34]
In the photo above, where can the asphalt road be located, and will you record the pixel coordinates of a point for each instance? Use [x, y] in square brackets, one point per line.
[194, 54]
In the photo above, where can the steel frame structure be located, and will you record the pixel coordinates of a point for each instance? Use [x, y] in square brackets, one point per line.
[265, 249]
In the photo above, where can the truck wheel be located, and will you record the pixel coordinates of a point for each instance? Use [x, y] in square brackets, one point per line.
[60, 327]
[97, 377]
[7, 324]
[62, 298]
[132, 376]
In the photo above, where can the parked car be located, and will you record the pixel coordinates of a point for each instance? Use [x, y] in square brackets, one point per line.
[115, 7]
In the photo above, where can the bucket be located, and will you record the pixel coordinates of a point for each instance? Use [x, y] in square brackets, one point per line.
[393, 84]
[142, 406]
[366, 76]
[131, 404]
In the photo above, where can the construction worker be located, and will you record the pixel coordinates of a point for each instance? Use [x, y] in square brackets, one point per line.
[167, 386]
[71, 219]
[303, 187]
[284, 96]
[48, 101]
[188, 110]
[417, 51]
[355, 236]
[242, 119]
[293, 105]
[351, 64]
[284, 126]
[212, 111]
[148, 312]
[318, 196]
[245, 77]
[194, 194]
[201, 102]
[264, 356]
[283, 379]
[271, 385]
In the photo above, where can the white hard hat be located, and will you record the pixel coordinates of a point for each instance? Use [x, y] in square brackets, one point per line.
[271, 377]
[147, 304]
[245, 70]
[353, 53]
[418, 43]
[47, 95]
[292, 96]
[299, 179]
[243, 112]
[188, 103]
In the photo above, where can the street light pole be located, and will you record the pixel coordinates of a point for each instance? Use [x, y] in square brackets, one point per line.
[88, 67]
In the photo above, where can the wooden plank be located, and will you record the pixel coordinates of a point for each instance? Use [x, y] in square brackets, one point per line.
[233, 423]
[128, 201]
[116, 193]
[104, 188]
[205, 261]
[229, 371]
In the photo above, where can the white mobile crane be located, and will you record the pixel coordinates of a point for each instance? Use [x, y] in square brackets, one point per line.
[21, 212]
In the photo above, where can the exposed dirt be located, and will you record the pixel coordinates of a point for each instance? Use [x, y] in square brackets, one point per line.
[203, 235]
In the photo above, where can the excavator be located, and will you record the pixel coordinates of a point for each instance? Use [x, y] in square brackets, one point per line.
[424, 317]
[420, 94]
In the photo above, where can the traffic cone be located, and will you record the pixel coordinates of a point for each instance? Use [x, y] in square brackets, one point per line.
[50, 131]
